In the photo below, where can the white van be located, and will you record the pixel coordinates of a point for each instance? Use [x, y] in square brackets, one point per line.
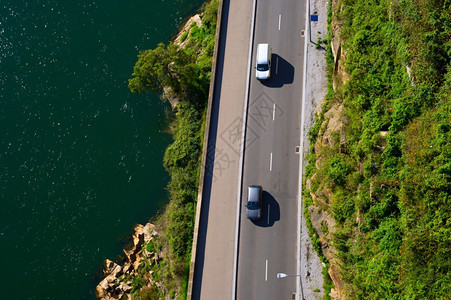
[263, 62]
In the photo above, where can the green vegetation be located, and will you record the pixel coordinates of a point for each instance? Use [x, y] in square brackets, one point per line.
[389, 169]
[182, 160]
[183, 73]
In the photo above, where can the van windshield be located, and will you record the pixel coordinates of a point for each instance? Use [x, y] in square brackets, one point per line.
[262, 67]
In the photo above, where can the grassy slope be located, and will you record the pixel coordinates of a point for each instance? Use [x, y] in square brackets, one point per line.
[400, 248]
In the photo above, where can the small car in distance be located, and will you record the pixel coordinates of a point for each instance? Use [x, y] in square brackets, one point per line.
[254, 202]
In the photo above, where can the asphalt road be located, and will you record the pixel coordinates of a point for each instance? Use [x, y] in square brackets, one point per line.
[268, 246]
[214, 262]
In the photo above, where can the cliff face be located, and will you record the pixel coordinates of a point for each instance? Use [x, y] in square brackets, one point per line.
[320, 212]
[331, 135]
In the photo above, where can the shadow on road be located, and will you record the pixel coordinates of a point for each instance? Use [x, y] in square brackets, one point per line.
[282, 72]
[271, 211]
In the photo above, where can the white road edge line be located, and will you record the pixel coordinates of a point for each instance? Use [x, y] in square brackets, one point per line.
[299, 291]
[280, 18]
[274, 111]
[243, 139]
[270, 162]
[266, 271]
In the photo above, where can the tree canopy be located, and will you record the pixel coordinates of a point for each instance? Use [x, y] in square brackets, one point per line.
[164, 67]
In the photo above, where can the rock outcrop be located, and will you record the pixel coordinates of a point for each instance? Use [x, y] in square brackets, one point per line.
[320, 216]
[340, 75]
[331, 135]
[186, 30]
[181, 40]
[118, 281]
[333, 122]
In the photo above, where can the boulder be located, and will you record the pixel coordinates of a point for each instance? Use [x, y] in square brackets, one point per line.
[334, 294]
[101, 290]
[130, 254]
[127, 268]
[137, 263]
[125, 287]
[106, 287]
[308, 184]
[328, 194]
[143, 233]
[111, 267]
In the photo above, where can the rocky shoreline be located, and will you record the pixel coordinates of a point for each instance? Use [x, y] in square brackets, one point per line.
[118, 281]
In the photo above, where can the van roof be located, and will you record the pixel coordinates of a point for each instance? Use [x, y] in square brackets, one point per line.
[262, 53]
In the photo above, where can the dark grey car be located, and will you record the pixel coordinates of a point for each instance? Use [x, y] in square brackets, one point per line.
[254, 202]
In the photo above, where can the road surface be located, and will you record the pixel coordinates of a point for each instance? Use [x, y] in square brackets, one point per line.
[273, 114]
[271, 158]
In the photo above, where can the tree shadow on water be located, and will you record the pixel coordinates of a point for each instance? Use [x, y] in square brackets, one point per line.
[282, 72]
[270, 212]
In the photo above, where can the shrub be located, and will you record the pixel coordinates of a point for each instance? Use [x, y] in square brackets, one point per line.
[184, 36]
[338, 170]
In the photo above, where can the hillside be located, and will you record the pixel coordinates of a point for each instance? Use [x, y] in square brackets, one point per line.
[378, 180]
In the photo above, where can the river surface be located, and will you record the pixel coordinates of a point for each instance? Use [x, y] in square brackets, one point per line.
[80, 156]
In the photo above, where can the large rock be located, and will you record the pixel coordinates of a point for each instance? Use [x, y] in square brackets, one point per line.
[102, 289]
[143, 232]
[321, 218]
[142, 235]
[111, 267]
[130, 254]
[105, 289]
[328, 194]
[333, 122]
[125, 287]
[334, 273]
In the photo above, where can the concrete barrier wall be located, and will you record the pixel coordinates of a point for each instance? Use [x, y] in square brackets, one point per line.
[204, 152]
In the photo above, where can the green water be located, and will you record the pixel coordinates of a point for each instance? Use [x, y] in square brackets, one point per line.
[80, 156]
